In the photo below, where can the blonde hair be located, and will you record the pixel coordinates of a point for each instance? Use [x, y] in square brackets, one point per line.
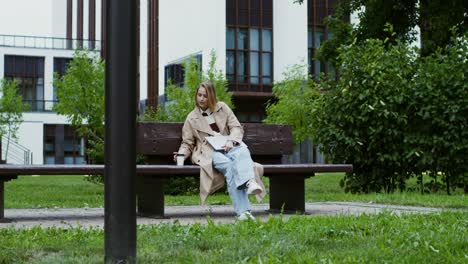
[210, 93]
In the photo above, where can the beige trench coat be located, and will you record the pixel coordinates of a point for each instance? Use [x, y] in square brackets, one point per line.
[194, 145]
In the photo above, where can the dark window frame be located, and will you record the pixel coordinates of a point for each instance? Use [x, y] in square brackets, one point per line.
[175, 72]
[60, 67]
[317, 10]
[31, 70]
[67, 132]
[237, 23]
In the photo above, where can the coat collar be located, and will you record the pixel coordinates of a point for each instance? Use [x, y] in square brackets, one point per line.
[220, 116]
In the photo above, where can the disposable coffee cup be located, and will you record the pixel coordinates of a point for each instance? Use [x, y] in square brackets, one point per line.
[180, 159]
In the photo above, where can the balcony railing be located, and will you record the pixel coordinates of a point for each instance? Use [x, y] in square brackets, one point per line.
[48, 43]
[17, 154]
[40, 105]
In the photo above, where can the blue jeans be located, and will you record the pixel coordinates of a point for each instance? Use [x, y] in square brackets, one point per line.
[237, 168]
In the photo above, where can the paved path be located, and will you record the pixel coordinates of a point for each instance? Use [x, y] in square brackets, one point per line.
[87, 217]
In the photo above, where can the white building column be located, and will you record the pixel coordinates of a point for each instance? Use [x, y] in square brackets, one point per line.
[59, 18]
[74, 18]
[31, 135]
[289, 36]
[48, 81]
[143, 49]
[98, 19]
[86, 21]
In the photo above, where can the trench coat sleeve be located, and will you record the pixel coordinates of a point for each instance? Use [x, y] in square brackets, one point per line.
[188, 139]
[236, 131]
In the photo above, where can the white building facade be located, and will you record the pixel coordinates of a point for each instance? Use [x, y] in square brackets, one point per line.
[255, 41]
[33, 45]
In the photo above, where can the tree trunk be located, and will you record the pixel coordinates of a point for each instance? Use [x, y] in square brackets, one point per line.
[424, 26]
[447, 182]
[421, 178]
[8, 143]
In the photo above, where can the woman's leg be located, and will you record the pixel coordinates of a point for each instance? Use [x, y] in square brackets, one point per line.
[239, 198]
[243, 167]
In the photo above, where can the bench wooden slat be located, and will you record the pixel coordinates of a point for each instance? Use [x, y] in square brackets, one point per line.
[304, 169]
[164, 138]
[166, 170]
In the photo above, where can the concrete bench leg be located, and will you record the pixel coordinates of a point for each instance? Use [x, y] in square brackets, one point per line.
[150, 196]
[287, 194]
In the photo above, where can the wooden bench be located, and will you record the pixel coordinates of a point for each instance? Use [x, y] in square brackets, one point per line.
[157, 141]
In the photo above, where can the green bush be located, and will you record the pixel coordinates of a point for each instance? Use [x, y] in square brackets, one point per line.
[392, 114]
[294, 102]
[11, 112]
[363, 118]
[81, 100]
[438, 134]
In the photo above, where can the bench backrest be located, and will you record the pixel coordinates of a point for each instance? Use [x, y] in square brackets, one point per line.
[267, 143]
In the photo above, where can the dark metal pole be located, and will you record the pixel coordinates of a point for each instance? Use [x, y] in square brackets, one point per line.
[120, 166]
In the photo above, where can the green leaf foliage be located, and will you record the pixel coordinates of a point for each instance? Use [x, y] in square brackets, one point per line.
[80, 95]
[295, 95]
[392, 114]
[11, 110]
[433, 17]
[362, 120]
[439, 104]
[181, 100]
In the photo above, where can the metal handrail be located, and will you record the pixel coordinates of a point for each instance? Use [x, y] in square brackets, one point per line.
[37, 42]
[17, 153]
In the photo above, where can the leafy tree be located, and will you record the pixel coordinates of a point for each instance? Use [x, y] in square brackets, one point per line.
[401, 14]
[11, 111]
[432, 117]
[294, 102]
[80, 95]
[363, 118]
[393, 114]
[181, 99]
[439, 127]
[434, 18]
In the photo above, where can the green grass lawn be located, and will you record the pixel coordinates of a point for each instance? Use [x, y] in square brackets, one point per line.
[74, 191]
[381, 238]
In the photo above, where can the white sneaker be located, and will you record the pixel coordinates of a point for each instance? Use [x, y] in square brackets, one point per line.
[253, 187]
[245, 216]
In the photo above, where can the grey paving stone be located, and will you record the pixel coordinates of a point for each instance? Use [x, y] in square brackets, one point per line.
[94, 217]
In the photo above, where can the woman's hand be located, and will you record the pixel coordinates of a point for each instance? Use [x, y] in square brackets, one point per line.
[228, 146]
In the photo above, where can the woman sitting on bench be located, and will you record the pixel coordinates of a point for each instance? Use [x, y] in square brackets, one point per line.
[213, 118]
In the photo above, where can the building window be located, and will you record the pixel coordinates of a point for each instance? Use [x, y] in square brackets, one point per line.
[317, 11]
[73, 147]
[249, 45]
[174, 73]
[29, 74]
[62, 145]
[60, 67]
